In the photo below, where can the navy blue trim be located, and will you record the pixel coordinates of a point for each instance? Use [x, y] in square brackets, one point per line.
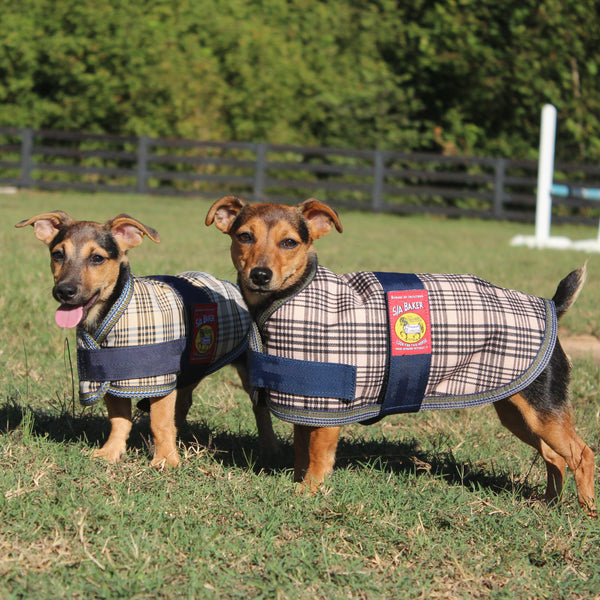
[190, 293]
[302, 377]
[130, 362]
[399, 282]
[407, 375]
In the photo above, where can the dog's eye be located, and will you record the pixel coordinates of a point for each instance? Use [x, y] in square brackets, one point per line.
[97, 259]
[58, 256]
[245, 237]
[288, 244]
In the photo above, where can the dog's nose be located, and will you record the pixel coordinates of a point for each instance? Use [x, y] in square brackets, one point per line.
[261, 276]
[65, 292]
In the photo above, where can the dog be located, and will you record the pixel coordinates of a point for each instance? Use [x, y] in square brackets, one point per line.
[424, 347]
[146, 338]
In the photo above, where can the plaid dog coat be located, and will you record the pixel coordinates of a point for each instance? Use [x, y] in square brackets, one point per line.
[163, 332]
[357, 347]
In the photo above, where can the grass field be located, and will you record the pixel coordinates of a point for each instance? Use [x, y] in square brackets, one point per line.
[435, 505]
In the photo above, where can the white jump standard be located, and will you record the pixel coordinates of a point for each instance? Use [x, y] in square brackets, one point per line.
[546, 189]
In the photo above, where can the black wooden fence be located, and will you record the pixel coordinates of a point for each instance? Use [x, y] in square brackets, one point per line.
[375, 180]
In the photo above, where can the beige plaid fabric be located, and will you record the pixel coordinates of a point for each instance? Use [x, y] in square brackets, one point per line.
[487, 342]
[151, 312]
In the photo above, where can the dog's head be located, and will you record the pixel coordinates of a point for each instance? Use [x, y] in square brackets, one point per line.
[271, 244]
[88, 261]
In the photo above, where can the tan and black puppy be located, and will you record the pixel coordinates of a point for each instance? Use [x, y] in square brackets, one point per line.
[348, 348]
[146, 338]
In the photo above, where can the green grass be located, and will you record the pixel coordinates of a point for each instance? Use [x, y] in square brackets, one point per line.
[436, 505]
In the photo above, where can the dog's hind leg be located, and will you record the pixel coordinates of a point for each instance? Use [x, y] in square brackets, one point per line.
[555, 470]
[183, 403]
[119, 415]
[553, 435]
[162, 424]
[268, 446]
[511, 417]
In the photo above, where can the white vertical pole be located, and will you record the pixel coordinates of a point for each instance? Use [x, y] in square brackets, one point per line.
[543, 211]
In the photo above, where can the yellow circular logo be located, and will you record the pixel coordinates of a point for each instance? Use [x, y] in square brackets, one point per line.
[205, 338]
[410, 328]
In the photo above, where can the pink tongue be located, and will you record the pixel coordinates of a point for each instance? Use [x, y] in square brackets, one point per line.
[68, 316]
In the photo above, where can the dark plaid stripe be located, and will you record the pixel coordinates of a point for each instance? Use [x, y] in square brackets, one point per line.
[485, 339]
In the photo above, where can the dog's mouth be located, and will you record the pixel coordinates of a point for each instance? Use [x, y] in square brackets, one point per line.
[70, 315]
[271, 288]
[261, 291]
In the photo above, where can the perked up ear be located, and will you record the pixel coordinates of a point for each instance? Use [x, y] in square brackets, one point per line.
[319, 217]
[47, 225]
[224, 211]
[129, 232]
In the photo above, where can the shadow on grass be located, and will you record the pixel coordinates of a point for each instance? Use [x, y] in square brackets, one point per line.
[407, 457]
[241, 450]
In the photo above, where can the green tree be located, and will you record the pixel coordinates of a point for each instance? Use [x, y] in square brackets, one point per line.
[452, 76]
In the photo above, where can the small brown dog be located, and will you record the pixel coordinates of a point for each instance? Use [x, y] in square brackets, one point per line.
[444, 341]
[146, 338]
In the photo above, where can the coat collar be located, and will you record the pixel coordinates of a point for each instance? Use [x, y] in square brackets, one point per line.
[95, 339]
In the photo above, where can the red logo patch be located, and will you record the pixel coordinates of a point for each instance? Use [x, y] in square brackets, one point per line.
[410, 324]
[204, 336]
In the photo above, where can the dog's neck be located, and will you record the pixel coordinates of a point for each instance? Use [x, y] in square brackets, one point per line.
[97, 313]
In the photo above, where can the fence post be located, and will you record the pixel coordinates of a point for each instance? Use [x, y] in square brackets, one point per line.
[142, 165]
[499, 178]
[259, 171]
[378, 177]
[26, 157]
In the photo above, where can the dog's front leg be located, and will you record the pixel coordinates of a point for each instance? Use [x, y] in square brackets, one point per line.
[162, 424]
[315, 454]
[119, 415]
[268, 446]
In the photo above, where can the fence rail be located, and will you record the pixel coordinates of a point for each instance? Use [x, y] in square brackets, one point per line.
[374, 180]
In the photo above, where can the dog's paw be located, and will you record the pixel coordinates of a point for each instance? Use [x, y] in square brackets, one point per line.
[310, 486]
[162, 461]
[110, 453]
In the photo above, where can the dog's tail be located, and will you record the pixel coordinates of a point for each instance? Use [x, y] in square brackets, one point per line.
[568, 290]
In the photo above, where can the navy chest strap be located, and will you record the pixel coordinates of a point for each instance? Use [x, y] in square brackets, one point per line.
[407, 373]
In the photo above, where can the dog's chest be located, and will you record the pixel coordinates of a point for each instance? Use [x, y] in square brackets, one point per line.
[470, 341]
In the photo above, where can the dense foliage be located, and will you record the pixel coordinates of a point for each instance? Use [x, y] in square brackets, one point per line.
[453, 76]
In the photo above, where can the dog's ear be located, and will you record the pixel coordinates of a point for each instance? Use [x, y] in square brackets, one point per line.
[47, 225]
[224, 211]
[319, 217]
[129, 232]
